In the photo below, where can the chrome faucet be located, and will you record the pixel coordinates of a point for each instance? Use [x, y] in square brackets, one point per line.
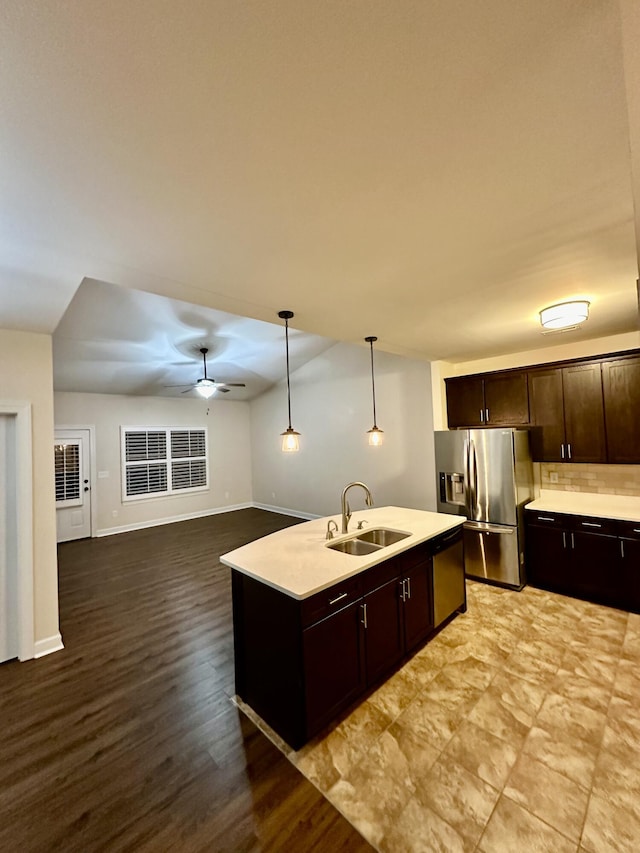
[346, 509]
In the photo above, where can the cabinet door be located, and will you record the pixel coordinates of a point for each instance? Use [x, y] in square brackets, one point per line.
[621, 386]
[596, 567]
[506, 399]
[333, 665]
[383, 634]
[465, 402]
[547, 415]
[417, 607]
[630, 562]
[584, 413]
[549, 558]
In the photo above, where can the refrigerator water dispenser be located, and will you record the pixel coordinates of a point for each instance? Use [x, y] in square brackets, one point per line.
[452, 488]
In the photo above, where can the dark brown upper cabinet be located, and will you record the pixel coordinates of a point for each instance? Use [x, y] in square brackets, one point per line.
[499, 399]
[586, 410]
[584, 413]
[547, 415]
[621, 387]
[567, 414]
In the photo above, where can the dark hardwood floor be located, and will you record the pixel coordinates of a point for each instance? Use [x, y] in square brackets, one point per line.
[127, 740]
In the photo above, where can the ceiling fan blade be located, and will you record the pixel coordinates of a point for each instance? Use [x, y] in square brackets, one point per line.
[182, 385]
[232, 384]
[184, 392]
[223, 390]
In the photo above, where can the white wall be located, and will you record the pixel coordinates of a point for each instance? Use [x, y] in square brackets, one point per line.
[332, 408]
[554, 352]
[26, 374]
[228, 424]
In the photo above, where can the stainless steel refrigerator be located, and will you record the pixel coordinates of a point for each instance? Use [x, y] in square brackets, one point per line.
[487, 475]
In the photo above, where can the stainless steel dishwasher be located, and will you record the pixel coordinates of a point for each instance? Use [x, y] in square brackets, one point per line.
[449, 591]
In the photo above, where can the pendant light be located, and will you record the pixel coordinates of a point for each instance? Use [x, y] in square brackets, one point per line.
[375, 434]
[289, 436]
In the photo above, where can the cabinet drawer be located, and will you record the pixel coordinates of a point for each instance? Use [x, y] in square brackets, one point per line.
[378, 575]
[629, 529]
[594, 524]
[547, 519]
[329, 601]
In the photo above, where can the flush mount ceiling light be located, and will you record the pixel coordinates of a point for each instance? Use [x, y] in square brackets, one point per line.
[375, 434]
[289, 436]
[565, 315]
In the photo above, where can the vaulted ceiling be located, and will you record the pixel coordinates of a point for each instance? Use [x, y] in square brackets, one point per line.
[432, 172]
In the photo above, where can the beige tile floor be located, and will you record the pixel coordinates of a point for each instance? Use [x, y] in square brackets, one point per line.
[517, 728]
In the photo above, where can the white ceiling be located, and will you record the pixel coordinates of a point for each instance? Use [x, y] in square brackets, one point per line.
[114, 340]
[432, 172]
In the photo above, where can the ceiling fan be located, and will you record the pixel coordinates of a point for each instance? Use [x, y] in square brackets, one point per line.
[205, 386]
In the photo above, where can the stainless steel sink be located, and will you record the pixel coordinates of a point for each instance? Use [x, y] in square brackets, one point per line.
[382, 537]
[354, 546]
[368, 541]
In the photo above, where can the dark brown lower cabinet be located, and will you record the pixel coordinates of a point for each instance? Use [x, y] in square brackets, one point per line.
[333, 663]
[300, 663]
[630, 556]
[585, 557]
[417, 604]
[383, 629]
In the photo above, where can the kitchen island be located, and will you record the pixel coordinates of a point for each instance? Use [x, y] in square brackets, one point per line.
[315, 627]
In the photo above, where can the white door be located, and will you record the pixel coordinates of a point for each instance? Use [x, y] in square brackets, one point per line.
[8, 541]
[73, 484]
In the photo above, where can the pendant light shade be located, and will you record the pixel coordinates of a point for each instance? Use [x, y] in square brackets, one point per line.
[289, 437]
[375, 433]
[565, 315]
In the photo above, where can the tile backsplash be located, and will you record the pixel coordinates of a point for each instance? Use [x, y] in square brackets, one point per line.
[600, 479]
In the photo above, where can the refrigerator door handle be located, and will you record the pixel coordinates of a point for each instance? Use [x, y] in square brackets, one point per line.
[473, 469]
[482, 527]
[467, 481]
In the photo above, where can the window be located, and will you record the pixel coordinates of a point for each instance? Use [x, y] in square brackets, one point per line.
[68, 466]
[159, 461]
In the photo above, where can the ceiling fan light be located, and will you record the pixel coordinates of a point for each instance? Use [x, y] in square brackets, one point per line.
[206, 388]
[565, 314]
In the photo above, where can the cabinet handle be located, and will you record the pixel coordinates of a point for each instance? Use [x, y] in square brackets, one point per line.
[562, 451]
[364, 615]
[564, 539]
[481, 416]
[590, 524]
[622, 548]
[573, 542]
[408, 587]
[403, 591]
[486, 415]
[338, 598]
[545, 518]
[636, 529]
[569, 450]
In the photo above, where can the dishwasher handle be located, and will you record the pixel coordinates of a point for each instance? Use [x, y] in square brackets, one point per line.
[447, 541]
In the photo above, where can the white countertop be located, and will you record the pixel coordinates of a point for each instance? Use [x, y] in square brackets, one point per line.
[625, 507]
[296, 560]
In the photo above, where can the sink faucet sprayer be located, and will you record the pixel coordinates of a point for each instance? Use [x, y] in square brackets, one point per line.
[346, 509]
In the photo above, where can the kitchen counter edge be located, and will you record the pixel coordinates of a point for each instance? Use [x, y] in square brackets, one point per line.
[621, 507]
[297, 562]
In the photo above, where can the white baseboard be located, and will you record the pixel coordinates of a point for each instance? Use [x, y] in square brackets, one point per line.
[158, 522]
[48, 645]
[285, 511]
